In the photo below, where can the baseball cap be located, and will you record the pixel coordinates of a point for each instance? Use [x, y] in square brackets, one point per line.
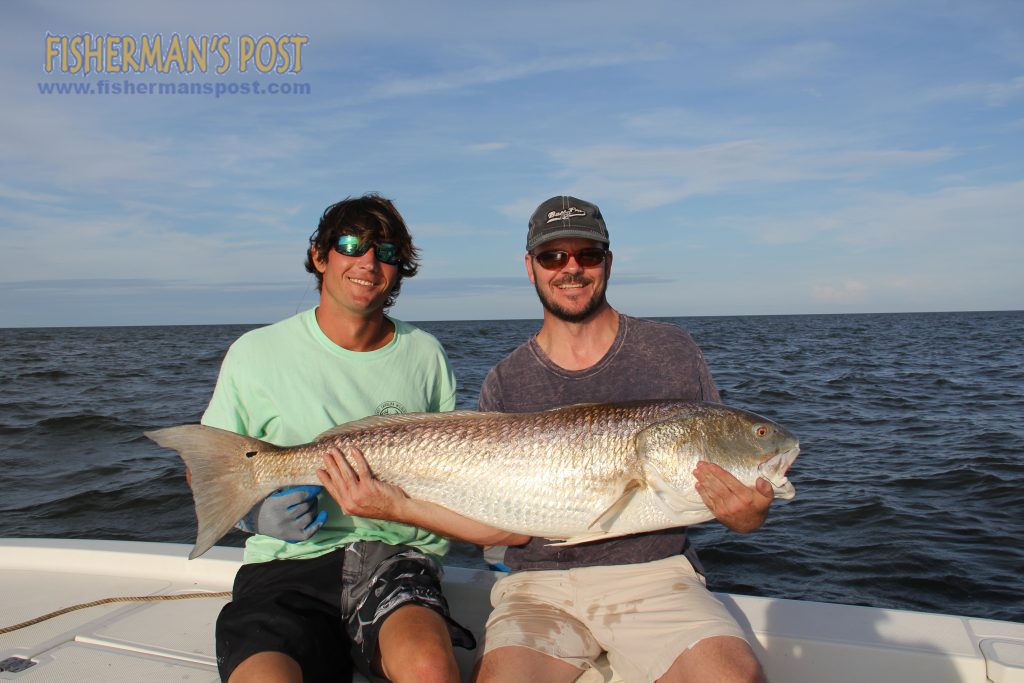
[565, 217]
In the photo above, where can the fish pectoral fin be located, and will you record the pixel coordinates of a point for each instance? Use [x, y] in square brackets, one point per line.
[673, 502]
[606, 519]
[681, 502]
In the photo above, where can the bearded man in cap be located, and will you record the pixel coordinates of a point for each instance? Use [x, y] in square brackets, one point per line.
[641, 600]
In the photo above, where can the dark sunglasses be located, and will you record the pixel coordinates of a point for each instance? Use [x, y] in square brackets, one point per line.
[386, 252]
[556, 259]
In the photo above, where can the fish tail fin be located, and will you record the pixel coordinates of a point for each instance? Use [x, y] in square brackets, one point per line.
[222, 476]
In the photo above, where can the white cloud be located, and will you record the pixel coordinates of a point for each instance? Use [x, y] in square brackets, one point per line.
[991, 93]
[506, 71]
[796, 60]
[484, 147]
[654, 176]
[692, 124]
[688, 123]
[845, 293]
[974, 215]
[423, 231]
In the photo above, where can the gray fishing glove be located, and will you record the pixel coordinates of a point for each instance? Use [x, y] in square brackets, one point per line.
[287, 514]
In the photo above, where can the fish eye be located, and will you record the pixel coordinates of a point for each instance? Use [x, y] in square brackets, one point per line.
[761, 430]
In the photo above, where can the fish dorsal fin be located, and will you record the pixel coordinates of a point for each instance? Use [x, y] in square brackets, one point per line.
[605, 520]
[381, 421]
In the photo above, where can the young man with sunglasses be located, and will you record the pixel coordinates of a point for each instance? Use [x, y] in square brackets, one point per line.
[317, 581]
[640, 599]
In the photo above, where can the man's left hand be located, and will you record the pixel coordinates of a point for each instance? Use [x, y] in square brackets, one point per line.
[739, 507]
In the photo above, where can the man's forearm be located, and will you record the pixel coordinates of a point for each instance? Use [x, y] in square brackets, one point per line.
[359, 493]
[445, 522]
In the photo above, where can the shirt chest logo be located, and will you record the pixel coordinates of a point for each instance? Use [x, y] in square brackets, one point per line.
[391, 408]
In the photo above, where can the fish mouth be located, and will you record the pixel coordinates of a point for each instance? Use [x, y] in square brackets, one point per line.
[773, 470]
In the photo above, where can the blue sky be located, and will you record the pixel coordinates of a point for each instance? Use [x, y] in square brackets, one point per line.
[808, 156]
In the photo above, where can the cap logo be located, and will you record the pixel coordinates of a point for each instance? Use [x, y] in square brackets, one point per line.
[566, 214]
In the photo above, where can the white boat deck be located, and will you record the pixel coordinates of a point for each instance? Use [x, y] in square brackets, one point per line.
[173, 640]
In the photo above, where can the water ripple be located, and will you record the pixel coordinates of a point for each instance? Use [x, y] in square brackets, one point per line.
[908, 484]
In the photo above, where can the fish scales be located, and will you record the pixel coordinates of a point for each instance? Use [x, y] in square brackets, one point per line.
[576, 473]
[507, 471]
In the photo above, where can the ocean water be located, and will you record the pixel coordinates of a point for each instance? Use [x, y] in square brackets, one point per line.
[910, 483]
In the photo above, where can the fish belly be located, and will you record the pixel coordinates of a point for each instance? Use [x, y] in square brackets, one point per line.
[546, 494]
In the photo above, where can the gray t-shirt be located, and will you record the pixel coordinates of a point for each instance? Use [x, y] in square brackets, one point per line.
[647, 360]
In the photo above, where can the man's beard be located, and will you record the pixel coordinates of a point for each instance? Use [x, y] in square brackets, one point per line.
[596, 301]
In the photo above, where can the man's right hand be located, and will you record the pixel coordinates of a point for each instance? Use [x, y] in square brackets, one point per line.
[356, 490]
[287, 514]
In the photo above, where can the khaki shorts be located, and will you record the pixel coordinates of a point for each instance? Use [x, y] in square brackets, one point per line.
[643, 615]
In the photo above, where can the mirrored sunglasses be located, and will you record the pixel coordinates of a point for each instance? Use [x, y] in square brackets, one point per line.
[386, 252]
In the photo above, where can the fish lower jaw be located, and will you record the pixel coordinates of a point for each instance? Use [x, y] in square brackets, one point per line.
[773, 470]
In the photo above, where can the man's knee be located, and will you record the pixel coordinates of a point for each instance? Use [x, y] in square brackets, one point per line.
[717, 658]
[426, 666]
[267, 666]
[415, 646]
[512, 664]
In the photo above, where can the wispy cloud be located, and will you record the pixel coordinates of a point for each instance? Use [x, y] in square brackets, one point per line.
[796, 60]
[799, 155]
[20, 195]
[847, 293]
[971, 215]
[508, 71]
[484, 147]
[654, 176]
[991, 93]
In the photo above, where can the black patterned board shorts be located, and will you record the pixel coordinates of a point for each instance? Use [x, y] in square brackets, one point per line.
[315, 610]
